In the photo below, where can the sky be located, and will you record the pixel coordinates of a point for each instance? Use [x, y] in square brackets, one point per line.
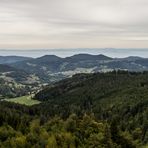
[36, 24]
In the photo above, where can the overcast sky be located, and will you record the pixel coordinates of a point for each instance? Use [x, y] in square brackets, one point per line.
[73, 23]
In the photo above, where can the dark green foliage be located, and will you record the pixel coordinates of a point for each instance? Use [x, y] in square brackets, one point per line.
[73, 132]
[88, 110]
[118, 94]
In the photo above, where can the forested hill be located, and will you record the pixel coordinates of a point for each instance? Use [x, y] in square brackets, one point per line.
[121, 95]
[6, 68]
[96, 86]
[102, 110]
[12, 59]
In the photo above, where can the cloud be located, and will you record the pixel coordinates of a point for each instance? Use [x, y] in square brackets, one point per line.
[68, 23]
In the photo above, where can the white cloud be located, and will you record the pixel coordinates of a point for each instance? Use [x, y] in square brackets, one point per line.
[68, 23]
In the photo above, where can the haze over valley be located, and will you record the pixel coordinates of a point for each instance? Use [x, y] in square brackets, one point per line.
[66, 52]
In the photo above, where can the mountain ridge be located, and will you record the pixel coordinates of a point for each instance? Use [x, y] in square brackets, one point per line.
[12, 59]
[52, 67]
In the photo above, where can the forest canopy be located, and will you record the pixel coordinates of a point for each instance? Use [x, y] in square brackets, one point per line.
[106, 110]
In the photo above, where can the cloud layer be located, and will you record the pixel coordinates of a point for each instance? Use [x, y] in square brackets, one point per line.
[73, 23]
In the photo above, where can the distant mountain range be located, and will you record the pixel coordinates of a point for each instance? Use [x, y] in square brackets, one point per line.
[50, 68]
[12, 59]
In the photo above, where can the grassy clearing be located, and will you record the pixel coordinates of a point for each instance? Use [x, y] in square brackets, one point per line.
[26, 100]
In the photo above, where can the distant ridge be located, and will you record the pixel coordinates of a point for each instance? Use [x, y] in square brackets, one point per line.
[48, 58]
[12, 59]
[52, 68]
[132, 58]
[88, 57]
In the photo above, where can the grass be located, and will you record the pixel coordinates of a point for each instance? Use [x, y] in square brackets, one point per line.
[25, 100]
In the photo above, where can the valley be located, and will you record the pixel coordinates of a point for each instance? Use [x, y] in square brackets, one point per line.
[21, 76]
[79, 101]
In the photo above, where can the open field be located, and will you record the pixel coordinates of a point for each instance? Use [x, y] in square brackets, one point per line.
[26, 100]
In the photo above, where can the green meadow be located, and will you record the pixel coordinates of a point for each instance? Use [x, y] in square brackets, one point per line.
[25, 100]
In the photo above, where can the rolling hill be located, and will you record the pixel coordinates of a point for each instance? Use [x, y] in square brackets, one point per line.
[51, 68]
[119, 94]
[12, 59]
[6, 68]
[15, 82]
